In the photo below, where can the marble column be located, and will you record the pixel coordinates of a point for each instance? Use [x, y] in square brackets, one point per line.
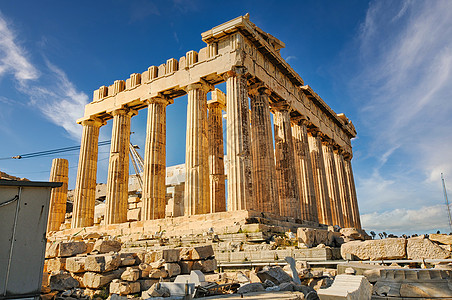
[216, 157]
[58, 196]
[304, 170]
[352, 192]
[332, 182]
[240, 177]
[344, 194]
[154, 173]
[118, 168]
[197, 195]
[85, 187]
[318, 172]
[289, 198]
[264, 171]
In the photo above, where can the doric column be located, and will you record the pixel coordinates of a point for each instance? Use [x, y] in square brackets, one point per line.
[240, 178]
[264, 171]
[343, 188]
[352, 191]
[85, 187]
[118, 168]
[154, 189]
[304, 170]
[318, 172]
[332, 182]
[197, 200]
[289, 198]
[58, 196]
[216, 152]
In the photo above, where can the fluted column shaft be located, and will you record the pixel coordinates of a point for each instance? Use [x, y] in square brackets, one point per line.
[85, 187]
[352, 191]
[240, 180]
[289, 198]
[216, 158]
[197, 198]
[304, 171]
[264, 171]
[118, 168]
[343, 189]
[332, 183]
[318, 172]
[58, 196]
[154, 188]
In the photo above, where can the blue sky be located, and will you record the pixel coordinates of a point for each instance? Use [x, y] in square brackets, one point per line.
[385, 64]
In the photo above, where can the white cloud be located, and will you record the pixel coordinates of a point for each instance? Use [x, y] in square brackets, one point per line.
[49, 90]
[13, 58]
[423, 220]
[403, 82]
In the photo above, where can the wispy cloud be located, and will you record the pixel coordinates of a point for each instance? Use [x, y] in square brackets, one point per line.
[13, 58]
[48, 89]
[423, 220]
[403, 83]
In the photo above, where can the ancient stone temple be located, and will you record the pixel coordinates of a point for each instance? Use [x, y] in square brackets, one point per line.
[301, 173]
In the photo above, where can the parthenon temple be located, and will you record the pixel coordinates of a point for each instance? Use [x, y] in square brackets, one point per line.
[302, 172]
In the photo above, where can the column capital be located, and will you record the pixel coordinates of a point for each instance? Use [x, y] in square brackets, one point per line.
[258, 89]
[235, 72]
[300, 120]
[159, 100]
[207, 87]
[213, 104]
[124, 111]
[347, 156]
[327, 141]
[314, 131]
[281, 106]
[94, 121]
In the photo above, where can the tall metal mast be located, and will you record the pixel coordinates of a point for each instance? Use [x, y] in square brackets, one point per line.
[447, 202]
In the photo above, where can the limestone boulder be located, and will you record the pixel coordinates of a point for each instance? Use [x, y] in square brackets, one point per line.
[75, 264]
[421, 248]
[251, 288]
[66, 249]
[352, 287]
[306, 236]
[205, 266]
[102, 262]
[156, 290]
[202, 252]
[56, 264]
[354, 234]
[173, 269]
[169, 255]
[131, 274]
[96, 280]
[275, 274]
[441, 238]
[157, 273]
[391, 248]
[62, 281]
[124, 287]
[127, 259]
[105, 246]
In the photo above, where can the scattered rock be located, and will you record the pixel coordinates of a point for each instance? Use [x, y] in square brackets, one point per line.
[156, 290]
[71, 248]
[420, 248]
[251, 288]
[102, 262]
[131, 274]
[62, 281]
[275, 274]
[441, 238]
[106, 246]
[124, 287]
[390, 248]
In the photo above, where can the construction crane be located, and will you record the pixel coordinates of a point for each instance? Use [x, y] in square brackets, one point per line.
[138, 163]
[447, 201]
